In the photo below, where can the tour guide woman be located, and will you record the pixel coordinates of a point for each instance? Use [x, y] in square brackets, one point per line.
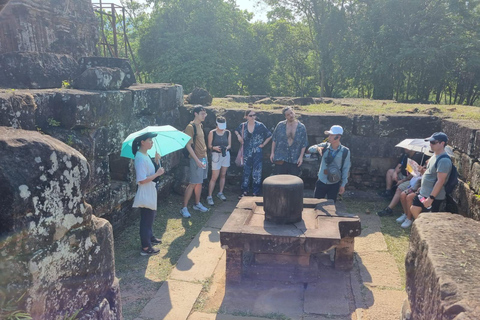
[255, 137]
[146, 196]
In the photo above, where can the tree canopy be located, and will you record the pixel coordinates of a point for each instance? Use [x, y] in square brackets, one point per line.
[409, 50]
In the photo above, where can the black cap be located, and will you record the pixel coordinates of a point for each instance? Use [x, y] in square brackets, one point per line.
[137, 140]
[438, 136]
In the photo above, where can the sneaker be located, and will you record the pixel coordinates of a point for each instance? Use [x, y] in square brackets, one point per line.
[401, 218]
[406, 224]
[385, 194]
[184, 212]
[385, 212]
[221, 196]
[199, 206]
[210, 201]
[149, 252]
[155, 240]
[242, 195]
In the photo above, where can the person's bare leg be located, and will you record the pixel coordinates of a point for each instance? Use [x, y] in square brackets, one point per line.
[409, 200]
[188, 194]
[389, 179]
[415, 211]
[223, 175]
[395, 199]
[213, 180]
[403, 202]
[198, 192]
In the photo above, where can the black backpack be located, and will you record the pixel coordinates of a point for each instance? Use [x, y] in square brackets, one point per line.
[185, 152]
[452, 181]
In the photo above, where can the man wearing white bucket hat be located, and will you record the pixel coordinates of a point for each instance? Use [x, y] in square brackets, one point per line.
[335, 165]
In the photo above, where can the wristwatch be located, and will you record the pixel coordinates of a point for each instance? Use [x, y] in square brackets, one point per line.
[432, 197]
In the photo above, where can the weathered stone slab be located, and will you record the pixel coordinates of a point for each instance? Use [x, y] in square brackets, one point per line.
[461, 135]
[173, 301]
[378, 269]
[214, 316]
[317, 125]
[200, 258]
[35, 70]
[199, 96]
[65, 27]
[54, 250]
[85, 63]
[396, 126]
[17, 110]
[385, 304]
[474, 177]
[99, 78]
[328, 295]
[442, 267]
[263, 298]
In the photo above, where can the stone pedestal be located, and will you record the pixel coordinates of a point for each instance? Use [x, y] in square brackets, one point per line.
[321, 228]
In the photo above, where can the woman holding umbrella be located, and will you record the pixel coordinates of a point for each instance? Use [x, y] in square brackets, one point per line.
[146, 196]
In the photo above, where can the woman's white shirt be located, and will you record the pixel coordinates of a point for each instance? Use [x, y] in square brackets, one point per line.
[146, 196]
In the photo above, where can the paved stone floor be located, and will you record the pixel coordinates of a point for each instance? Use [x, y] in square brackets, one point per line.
[371, 290]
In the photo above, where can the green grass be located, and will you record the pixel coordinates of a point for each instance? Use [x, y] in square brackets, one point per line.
[141, 277]
[367, 107]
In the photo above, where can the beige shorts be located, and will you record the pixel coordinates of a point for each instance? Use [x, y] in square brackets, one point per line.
[218, 161]
[404, 185]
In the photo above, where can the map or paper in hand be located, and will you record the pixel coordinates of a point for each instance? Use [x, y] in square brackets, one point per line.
[413, 167]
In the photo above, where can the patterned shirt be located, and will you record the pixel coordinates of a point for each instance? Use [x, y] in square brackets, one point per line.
[284, 152]
[252, 141]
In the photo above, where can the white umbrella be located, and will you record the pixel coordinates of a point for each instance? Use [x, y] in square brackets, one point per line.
[418, 145]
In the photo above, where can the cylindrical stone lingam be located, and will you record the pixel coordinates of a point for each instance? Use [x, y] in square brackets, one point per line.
[283, 198]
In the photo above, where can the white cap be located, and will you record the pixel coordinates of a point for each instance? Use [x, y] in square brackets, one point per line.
[335, 130]
[222, 125]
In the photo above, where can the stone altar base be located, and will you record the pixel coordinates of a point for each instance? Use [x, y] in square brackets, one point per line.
[256, 248]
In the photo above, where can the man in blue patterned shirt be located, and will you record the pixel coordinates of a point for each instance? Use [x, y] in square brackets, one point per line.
[289, 144]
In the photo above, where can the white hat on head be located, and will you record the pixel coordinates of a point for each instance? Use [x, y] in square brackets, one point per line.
[335, 130]
[222, 125]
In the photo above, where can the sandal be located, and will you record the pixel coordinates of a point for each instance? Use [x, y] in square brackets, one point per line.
[242, 195]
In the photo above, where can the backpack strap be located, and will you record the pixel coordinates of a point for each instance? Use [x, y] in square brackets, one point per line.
[442, 157]
[344, 155]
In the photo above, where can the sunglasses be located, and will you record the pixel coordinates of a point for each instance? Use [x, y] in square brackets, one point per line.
[252, 115]
[434, 142]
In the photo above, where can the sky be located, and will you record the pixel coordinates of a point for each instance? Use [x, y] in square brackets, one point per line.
[259, 10]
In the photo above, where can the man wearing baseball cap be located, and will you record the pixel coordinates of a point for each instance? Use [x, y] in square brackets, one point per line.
[335, 165]
[432, 190]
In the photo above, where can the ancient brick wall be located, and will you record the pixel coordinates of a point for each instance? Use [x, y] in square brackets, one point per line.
[372, 141]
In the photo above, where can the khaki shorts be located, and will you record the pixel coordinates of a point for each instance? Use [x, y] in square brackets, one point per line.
[197, 174]
[404, 185]
[218, 161]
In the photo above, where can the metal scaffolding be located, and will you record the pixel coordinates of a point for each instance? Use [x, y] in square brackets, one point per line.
[113, 15]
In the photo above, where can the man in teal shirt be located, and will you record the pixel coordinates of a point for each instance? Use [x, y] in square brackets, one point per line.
[335, 165]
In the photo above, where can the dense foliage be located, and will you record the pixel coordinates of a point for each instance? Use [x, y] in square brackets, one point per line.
[408, 50]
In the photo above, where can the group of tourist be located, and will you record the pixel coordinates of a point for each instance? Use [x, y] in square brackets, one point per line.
[423, 193]
[288, 148]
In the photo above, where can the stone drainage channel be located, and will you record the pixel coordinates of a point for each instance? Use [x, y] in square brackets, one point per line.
[372, 289]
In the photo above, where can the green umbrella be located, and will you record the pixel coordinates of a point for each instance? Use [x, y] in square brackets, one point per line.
[168, 140]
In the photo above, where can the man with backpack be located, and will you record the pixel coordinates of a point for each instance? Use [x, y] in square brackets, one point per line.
[440, 172]
[197, 150]
[334, 167]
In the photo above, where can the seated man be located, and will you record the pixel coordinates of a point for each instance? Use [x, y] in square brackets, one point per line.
[395, 177]
[406, 200]
[402, 184]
